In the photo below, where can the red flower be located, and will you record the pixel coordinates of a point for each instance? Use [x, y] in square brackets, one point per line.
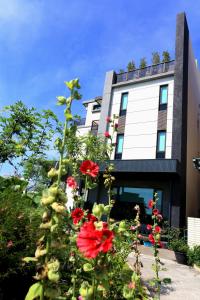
[155, 211]
[90, 168]
[77, 214]
[71, 182]
[91, 241]
[92, 218]
[150, 204]
[108, 119]
[107, 134]
[116, 125]
[151, 238]
[149, 227]
[160, 244]
[157, 229]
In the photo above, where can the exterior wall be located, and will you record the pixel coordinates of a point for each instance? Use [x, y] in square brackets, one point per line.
[140, 134]
[193, 138]
[91, 116]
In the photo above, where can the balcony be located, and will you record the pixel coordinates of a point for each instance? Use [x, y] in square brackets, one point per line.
[80, 122]
[145, 72]
[94, 127]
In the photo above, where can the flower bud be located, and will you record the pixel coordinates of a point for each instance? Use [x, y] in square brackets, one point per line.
[47, 200]
[59, 208]
[52, 173]
[122, 226]
[40, 252]
[53, 276]
[87, 267]
[46, 225]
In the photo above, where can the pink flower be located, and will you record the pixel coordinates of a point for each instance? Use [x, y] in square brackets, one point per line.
[80, 298]
[90, 168]
[9, 244]
[149, 227]
[159, 217]
[71, 182]
[107, 134]
[133, 228]
[108, 119]
[155, 211]
[131, 285]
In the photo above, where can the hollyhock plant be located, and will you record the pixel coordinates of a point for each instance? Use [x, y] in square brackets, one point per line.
[107, 134]
[149, 227]
[157, 229]
[108, 119]
[91, 217]
[90, 168]
[71, 182]
[91, 241]
[155, 211]
[150, 203]
[77, 215]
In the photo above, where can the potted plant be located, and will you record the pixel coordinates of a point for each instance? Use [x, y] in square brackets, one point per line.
[180, 248]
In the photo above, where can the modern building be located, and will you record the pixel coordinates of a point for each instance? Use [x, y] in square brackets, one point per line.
[158, 134]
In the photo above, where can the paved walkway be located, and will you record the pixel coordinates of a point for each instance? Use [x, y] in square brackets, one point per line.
[185, 280]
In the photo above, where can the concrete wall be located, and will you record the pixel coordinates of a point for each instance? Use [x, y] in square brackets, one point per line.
[140, 134]
[193, 138]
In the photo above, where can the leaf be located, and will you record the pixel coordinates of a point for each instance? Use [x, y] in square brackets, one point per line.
[34, 291]
[28, 259]
[167, 280]
[61, 100]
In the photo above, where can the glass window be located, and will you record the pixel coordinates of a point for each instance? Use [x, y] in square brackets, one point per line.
[163, 94]
[120, 140]
[161, 141]
[124, 102]
[128, 197]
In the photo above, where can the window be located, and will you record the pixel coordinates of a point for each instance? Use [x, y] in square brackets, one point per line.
[161, 144]
[163, 97]
[124, 102]
[96, 107]
[127, 197]
[119, 146]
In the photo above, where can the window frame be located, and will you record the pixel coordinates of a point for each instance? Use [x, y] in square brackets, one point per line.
[163, 106]
[160, 154]
[123, 111]
[118, 155]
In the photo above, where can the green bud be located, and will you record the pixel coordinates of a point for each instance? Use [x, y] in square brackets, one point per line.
[47, 200]
[98, 210]
[107, 209]
[52, 173]
[88, 267]
[53, 276]
[122, 226]
[53, 191]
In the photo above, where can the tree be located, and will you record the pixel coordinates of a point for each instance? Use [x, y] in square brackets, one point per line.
[121, 71]
[143, 63]
[165, 56]
[155, 58]
[25, 134]
[131, 66]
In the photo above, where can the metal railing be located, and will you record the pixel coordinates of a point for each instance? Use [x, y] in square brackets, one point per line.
[148, 71]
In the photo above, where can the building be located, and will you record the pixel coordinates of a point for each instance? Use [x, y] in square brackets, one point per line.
[158, 133]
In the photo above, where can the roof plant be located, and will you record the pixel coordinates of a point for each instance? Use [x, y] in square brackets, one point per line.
[131, 66]
[165, 56]
[143, 63]
[155, 58]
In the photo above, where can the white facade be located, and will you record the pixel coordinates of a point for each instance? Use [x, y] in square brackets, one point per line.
[140, 136]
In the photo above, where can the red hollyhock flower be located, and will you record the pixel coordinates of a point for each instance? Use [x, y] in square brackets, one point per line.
[157, 229]
[149, 227]
[90, 168]
[160, 244]
[155, 211]
[91, 241]
[108, 119]
[107, 134]
[71, 182]
[92, 218]
[150, 204]
[151, 238]
[77, 214]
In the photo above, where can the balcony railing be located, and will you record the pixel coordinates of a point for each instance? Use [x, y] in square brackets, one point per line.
[148, 71]
[80, 122]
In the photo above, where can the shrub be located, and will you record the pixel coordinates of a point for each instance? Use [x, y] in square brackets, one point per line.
[194, 256]
[178, 245]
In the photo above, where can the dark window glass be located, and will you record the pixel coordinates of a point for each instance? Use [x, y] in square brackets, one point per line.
[96, 107]
[161, 144]
[128, 197]
[163, 99]
[124, 102]
[119, 146]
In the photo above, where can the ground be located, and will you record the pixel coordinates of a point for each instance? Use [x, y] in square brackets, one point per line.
[185, 280]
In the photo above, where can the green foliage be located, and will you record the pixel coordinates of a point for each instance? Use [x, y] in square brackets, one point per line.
[194, 255]
[25, 134]
[131, 66]
[121, 71]
[165, 56]
[179, 245]
[19, 221]
[34, 292]
[143, 63]
[155, 58]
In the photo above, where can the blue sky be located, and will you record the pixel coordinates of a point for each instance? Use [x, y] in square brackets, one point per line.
[45, 42]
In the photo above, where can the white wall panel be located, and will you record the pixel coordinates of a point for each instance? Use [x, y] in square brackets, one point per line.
[142, 117]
